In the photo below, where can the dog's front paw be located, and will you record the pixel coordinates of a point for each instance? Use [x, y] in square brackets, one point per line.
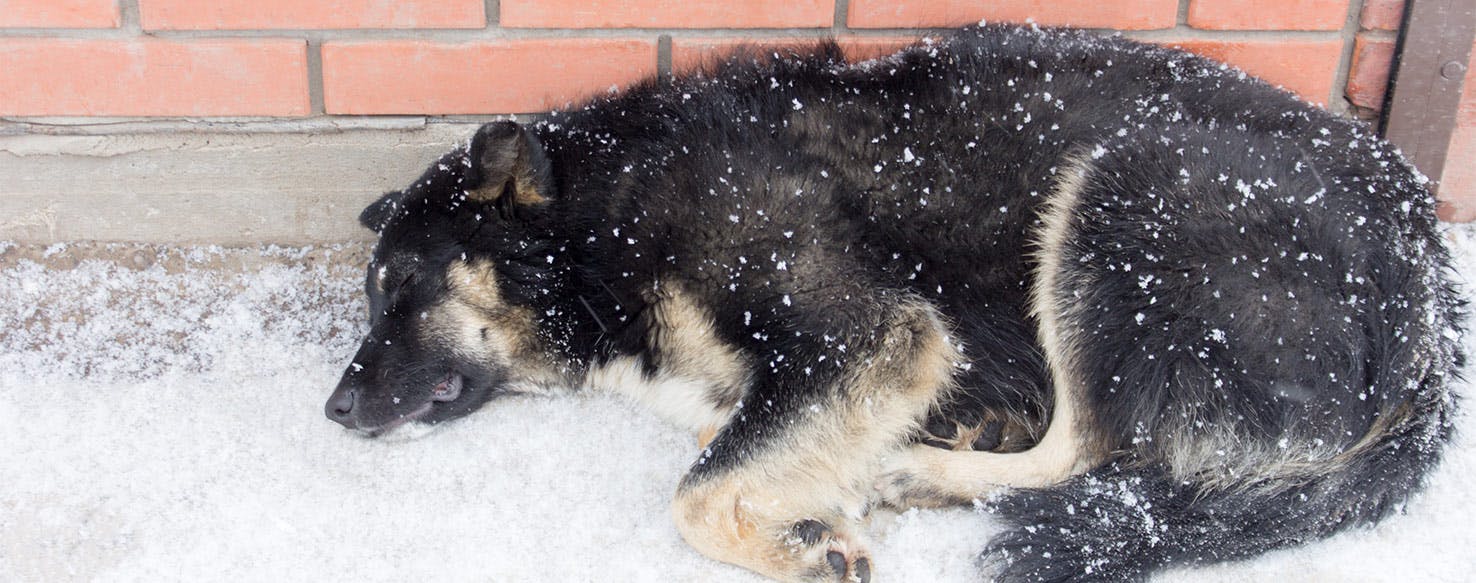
[773, 532]
[834, 556]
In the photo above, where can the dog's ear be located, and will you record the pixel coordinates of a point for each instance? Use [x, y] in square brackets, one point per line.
[374, 216]
[510, 166]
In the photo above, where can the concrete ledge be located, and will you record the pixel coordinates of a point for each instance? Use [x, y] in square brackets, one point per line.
[245, 184]
[348, 258]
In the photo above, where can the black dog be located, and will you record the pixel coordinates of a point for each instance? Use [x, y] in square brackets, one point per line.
[1150, 310]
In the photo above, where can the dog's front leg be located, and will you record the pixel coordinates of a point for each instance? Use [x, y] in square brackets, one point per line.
[783, 487]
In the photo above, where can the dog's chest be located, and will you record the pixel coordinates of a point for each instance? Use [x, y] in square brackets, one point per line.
[685, 373]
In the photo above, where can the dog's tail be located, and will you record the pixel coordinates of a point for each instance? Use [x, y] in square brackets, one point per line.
[1122, 521]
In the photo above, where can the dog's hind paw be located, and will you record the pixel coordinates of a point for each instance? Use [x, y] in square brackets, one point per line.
[907, 480]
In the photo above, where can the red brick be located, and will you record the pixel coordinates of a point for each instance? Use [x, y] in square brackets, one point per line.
[1304, 67]
[667, 13]
[1381, 14]
[58, 13]
[308, 14]
[222, 77]
[1119, 14]
[1368, 77]
[1268, 14]
[859, 49]
[415, 77]
[689, 53]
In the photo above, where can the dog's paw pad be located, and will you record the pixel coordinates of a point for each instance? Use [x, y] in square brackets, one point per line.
[840, 559]
[848, 569]
[837, 562]
[861, 570]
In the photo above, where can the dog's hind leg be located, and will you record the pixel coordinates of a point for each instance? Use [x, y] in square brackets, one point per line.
[926, 476]
[932, 477]
[784, 485]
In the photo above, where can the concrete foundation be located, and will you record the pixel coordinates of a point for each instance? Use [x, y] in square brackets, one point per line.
[226, 183]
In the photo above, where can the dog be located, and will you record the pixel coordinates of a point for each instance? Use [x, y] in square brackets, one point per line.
[1148, 310]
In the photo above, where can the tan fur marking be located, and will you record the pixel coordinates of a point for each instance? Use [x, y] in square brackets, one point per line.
[511, 338]
[1064, 450]
[1218, 459]
[523, 191]
[822, 467]
[526, 194]
[699, 377]
[717, 523]
[510, 167]
[705, 436]
[475, 282]
[686, 339]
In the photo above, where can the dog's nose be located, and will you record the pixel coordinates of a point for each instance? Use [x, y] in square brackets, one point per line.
[340, 407]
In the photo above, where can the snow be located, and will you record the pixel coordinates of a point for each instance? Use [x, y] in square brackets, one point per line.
[165, 424]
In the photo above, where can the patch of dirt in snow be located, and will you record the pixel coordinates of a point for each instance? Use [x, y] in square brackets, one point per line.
[160, 415]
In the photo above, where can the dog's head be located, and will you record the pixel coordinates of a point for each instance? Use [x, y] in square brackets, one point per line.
[450, 322]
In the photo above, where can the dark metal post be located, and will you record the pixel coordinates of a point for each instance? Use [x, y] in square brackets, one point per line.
[1430, 62]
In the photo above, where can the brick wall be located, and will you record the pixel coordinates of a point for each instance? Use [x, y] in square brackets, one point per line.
[285, 60]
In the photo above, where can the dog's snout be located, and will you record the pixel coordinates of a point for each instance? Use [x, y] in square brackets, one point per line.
[340, 407]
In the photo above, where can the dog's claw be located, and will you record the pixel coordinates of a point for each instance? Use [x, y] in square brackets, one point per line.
[849, 565]
[837, 564]
[862, 571]
[990, 436]
[810, 531]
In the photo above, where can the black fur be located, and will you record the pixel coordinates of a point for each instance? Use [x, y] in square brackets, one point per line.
[1247, 261]
[1317, 345]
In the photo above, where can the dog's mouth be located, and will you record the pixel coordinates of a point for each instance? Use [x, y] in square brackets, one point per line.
[445, 391]
[395, 423]
[448, 389]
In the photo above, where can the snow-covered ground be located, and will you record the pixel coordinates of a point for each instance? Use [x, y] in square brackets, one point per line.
[165, 424]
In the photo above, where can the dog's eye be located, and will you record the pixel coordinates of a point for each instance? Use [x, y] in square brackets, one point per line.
[404, 281]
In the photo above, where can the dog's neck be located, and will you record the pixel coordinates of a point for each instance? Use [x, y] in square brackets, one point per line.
[598, 315]
[592, 319]
[608, 311]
